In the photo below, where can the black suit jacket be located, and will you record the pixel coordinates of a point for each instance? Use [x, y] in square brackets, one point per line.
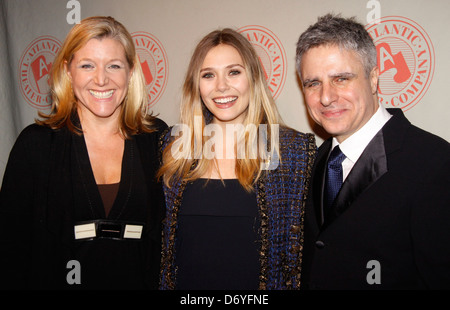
[391, 228]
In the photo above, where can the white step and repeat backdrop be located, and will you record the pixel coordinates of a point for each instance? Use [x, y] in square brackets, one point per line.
[412, 37]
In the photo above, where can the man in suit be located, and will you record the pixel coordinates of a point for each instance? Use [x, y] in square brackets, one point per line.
[388, 226]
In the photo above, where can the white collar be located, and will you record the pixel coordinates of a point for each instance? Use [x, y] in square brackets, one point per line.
[354, 145]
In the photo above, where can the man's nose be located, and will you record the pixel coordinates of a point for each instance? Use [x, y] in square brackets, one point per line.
[328, 94]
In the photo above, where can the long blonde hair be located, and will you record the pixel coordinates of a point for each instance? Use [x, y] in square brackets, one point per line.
[261, 110]
[133, 116]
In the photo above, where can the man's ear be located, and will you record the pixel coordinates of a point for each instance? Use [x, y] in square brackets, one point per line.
[374, 75]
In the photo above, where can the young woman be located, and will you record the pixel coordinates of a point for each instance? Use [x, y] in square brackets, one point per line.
[235, 178]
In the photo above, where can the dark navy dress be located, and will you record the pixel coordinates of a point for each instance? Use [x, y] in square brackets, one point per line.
[217, 246]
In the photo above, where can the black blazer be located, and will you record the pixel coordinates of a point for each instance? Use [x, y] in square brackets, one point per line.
[391, 229]
[38, 198]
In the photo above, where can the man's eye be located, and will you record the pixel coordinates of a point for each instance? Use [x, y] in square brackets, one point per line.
[344, 79]
[311, 84]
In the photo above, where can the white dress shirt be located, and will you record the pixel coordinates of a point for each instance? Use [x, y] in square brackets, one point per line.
[353, 146]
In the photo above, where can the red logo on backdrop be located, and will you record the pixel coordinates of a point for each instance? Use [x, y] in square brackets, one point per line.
[154, 64]
[34, 67]
[271, 54]
[406, 61]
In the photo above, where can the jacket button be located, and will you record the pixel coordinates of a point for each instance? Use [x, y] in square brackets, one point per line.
[320, 244]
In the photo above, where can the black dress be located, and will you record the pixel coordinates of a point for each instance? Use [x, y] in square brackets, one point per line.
[217, 244]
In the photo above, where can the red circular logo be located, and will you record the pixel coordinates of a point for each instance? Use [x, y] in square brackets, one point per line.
[154, 64]
[271, 55]
[34, 67]
[406, 60]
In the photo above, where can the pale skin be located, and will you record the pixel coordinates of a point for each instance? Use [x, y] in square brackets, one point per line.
[100, 74]
[338, 94]
[224, 89]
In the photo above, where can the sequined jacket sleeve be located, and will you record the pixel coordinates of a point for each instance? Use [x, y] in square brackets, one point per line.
[281, 195]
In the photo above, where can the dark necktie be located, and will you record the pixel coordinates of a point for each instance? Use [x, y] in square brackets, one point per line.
[334, 177]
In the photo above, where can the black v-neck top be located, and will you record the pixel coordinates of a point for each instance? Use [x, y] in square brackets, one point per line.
[110, 263]
[217, 237]
[91, 200]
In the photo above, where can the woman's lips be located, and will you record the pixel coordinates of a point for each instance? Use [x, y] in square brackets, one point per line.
[102, 94]
[225, 102]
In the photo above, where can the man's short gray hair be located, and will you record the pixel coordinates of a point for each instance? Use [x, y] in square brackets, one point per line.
[346, 33]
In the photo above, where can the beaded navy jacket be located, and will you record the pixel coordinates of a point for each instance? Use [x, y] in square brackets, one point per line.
[281, 195]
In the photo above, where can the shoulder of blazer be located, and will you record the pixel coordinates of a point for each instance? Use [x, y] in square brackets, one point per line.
[36, 141]
[158, 126]
[35, 132]
[399, 132]
[149, 144]
[29, 157]
[298, 152]
[294, 143]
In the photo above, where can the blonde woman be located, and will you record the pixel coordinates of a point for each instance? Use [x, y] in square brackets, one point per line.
[79, 188]
[235, 177]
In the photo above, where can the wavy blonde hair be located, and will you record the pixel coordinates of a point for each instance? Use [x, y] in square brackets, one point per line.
[261, 110]
[134, 116]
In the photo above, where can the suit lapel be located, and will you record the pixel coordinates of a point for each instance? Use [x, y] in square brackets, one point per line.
[371, 165]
